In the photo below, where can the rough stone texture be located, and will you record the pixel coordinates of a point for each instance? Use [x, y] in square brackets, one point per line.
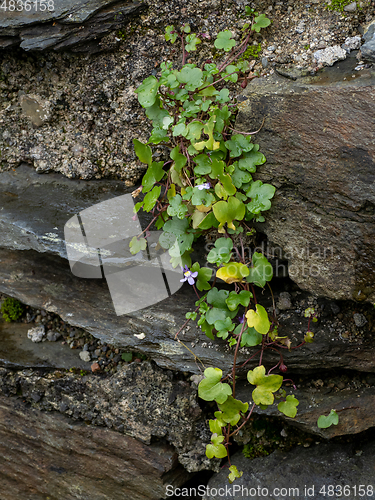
[328, 56]
[355, 409]
[318, 140]
[46, 282]
[319, 466]
[75, 25]
[140, 400]
[45, 455]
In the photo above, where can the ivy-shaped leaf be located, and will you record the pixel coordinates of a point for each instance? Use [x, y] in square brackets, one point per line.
[230, 73]
[251, 159]
[203, 164]
[325, 422]
[216, 449]
[217, 298]
[223, 327]
[215, 426]
[175, 237]
[191, 77]
[238, 144]
[234, 473]
[210, 144]
[151, 198]
[170, 34]
[158, 135]
[228, 211]
[289, 407]
[261, 270]
[136, 245]
[223, 96]
[177, 208]
[222, 251]
[260, 195]
[204, 275]
[250, 337]
[191, 42]
[211, 389]
[153, 175]
[224, 41]
[179, 159]
[143, 151]
[147, 91]
[258, 319]
[235, 299]
[239, 176]
[260, 22]
[156, 113]
[231, 410]
[234, 272]
[265, 385]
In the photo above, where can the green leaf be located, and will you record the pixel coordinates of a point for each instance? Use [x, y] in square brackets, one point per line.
[158, 135]
[325, 422]
[177, 208]
[218, 298]
[235, 299]
[221, 253]
[182, 260]
[191, 42]
[216, 449]
[239, 176]
[211, 389]
[231, 410]
[261, 270]
[203, 164]
[223, 96]
[234, 473]
[230, 73]
[260, 22]
[186, 28]
[179, 129]
[222, 117]
[250, 160]
[151, 198]
[250, 337]
[204, 275]
[169, 35]
[156, 113]
[234, 272]
[224, 41]
[238, 144]
[194, 131]
[228, 211]
[179, 159]
[225, 324]
[136, 245]
[127, 356]
[210, 144]
[147, 91]
[259, 319]
[215, 314]
[260, 195]
[143, 152]
[289, 407]
[215, 426]
[207, 329]
[191, 77]
[154, 174]
[175, 237]
[265, 385]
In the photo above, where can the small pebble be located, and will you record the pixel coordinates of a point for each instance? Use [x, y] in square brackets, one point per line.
[36, 334]
[85, 356]
[52, 335]
[359, 319]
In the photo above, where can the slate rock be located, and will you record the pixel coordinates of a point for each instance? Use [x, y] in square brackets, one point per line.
[75, 25]
[314, 468]
[62, 460]
[322, 215]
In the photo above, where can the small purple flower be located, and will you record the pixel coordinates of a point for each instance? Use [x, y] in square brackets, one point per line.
[205, 185]
[241, 319]
[189, 276]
